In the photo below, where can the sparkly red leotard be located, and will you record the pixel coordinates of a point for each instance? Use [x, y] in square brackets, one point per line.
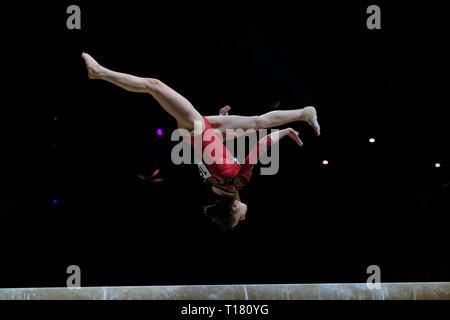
[225, 174]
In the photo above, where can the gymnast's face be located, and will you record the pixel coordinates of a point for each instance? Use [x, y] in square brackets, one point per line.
[239, 211]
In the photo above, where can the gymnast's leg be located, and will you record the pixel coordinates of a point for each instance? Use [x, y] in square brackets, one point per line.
[267, 120]
[174, 103]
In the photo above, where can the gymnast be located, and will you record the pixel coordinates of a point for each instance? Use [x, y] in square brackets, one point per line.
[225, 177]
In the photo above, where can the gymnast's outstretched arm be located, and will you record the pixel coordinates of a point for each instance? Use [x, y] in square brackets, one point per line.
[263, 144]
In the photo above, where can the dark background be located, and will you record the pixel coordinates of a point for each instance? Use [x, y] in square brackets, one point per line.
[382, 203]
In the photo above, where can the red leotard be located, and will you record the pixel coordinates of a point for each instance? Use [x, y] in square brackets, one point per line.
[226, 174]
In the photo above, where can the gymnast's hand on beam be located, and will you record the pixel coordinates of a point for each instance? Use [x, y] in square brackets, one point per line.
[224, 111]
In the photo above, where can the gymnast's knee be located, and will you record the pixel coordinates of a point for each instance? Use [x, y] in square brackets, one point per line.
[153, 84]
[260, 122]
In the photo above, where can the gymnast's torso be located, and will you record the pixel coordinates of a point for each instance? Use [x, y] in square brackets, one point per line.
[218, 166]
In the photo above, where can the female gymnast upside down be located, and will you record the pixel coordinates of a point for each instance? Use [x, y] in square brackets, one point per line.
[225, 177]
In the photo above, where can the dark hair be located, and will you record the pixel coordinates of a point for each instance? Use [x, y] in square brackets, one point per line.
[220, 213]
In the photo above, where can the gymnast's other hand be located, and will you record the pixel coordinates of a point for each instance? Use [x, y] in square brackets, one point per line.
[224, 111]
[294, 135]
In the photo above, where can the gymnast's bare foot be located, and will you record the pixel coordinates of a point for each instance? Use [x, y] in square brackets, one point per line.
[92, 66]
[309, 115]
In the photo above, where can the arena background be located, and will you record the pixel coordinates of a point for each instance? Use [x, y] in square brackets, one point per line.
[74, 151]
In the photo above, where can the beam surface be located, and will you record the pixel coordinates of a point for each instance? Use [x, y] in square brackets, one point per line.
[338, 291]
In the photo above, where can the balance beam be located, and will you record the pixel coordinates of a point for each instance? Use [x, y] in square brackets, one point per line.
[337, 291]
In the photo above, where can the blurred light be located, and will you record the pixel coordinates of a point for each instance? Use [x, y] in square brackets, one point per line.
[235, 159]
[437, 165]
[325, 162]
[151, 177]
[276, 105]
[372, 140]
[55, 201]
[140, 176]
[159, 132]
[155, 172]
[55, 118]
